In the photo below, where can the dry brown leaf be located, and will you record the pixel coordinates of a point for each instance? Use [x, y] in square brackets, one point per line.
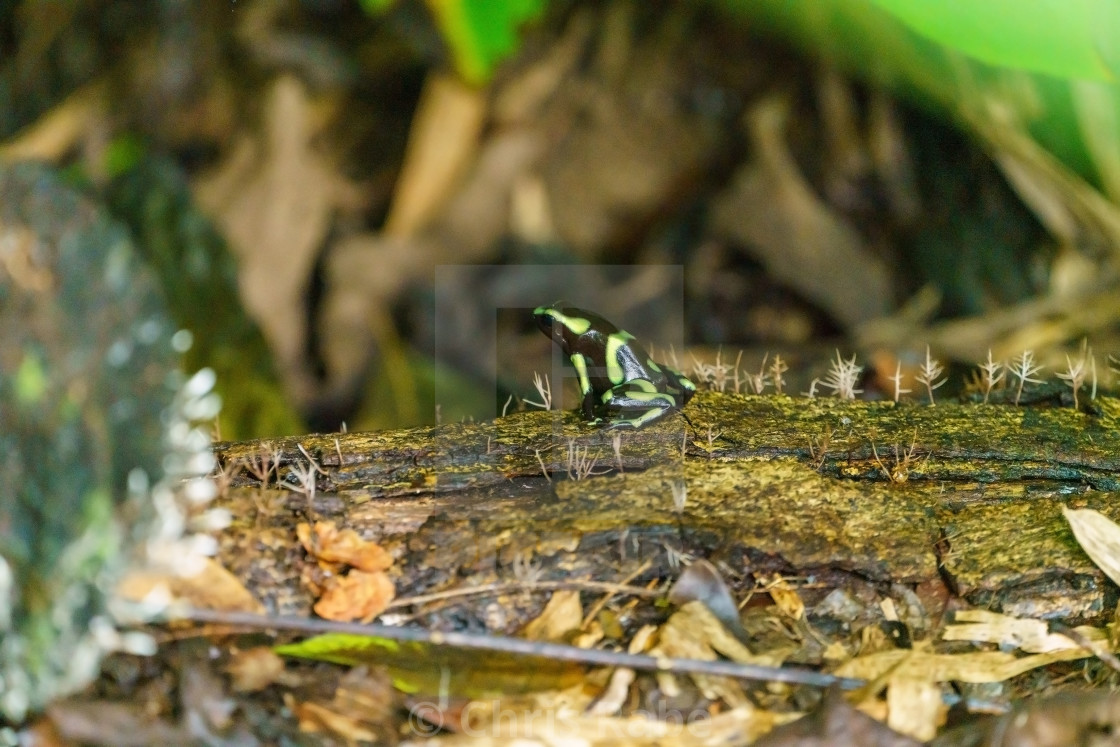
[915, 707]
[502, 726]
[254, 669]
[366, 695]
[326, 542]
[1007, 331]
[1032, 636]
[642, 639]
[364, 272]
[694, 632]
[589, 636]
[686, 635]
[560, 616]
[615, 694]
[801, 240]
[1072, 210]
[836, 652]
[362, 709]
[274, 197]
[356, 596]
[212, 588]
[316, 719]
[975, 667]
[1098, 536]
[701, 581]
[786, 598]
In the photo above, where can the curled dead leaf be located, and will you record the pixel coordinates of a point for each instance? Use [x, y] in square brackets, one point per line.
[326, 542]
[357, 596]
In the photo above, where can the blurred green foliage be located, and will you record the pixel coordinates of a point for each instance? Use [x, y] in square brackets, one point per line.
[479, 33]
[1075, 39]
[482, 32]
[997, 68]
[1000, 100]
[199, 279]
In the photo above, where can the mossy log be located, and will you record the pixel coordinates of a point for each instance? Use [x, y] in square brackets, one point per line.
[951, 499]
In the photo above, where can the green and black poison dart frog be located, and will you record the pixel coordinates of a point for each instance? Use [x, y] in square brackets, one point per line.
[622, 386]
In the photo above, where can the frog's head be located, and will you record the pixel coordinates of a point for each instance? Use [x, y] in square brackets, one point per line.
[561, 322]
[544, 319]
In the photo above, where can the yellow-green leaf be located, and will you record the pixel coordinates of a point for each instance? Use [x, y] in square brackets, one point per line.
[420, 668]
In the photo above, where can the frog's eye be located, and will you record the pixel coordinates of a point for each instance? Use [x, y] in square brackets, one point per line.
[544, 320]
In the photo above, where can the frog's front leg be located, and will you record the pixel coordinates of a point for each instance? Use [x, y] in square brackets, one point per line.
[634, 403]
[588, 399]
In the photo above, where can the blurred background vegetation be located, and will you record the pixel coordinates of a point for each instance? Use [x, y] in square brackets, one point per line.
[874, 175]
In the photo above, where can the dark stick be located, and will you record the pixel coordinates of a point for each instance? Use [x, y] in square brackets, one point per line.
[534, 648]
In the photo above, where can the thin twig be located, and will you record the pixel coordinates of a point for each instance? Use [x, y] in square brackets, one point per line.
[510, 645]
[544, 469]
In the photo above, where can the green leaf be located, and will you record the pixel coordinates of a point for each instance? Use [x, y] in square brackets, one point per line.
[420, 668]
[1071, 39]
[481, 33]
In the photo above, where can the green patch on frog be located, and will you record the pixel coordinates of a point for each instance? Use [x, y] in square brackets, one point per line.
[620, 385]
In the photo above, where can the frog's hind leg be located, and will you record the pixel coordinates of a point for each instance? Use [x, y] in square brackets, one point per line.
[633, 405]
[639, 420]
